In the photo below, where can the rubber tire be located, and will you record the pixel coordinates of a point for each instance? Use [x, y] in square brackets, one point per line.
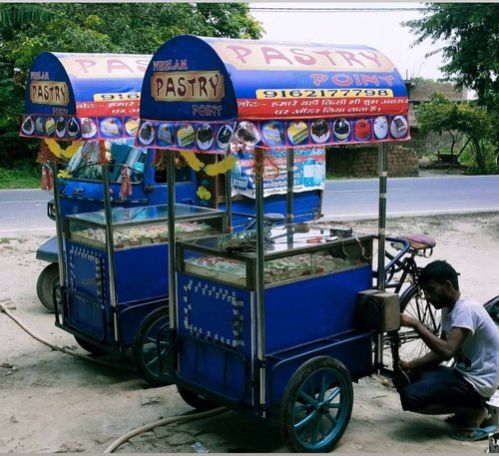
[285, 418]
[196, 400]
[47, 280]
[153, 377]
[89, 347]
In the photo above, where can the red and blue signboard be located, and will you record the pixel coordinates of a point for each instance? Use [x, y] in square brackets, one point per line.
[83, 96]
[198, 92]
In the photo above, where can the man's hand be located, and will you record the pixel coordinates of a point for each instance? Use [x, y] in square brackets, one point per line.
[408, 321]
[405, 365]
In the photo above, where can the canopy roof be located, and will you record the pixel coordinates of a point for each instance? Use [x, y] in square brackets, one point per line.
[198, 91]
[83, 96]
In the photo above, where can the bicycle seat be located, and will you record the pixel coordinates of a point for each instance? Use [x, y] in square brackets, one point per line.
[420, 241]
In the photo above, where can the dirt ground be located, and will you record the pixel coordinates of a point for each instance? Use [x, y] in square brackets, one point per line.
[53, 402]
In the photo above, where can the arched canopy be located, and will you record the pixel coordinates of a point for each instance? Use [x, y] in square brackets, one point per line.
[197, 91]
[83, 96]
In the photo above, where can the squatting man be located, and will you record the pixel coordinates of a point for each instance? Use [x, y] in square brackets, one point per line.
[471, 338]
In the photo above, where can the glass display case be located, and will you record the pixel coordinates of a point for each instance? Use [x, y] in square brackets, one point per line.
[289, 256]
[141, 226]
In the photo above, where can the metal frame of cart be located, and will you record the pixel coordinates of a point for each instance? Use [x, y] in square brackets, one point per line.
[286, 351]
[92, 98]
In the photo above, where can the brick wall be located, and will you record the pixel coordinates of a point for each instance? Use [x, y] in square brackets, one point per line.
[363, 161]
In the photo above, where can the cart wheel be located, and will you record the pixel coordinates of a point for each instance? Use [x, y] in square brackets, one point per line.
[316, 406]
[196, 400]
[89, 346]
[150, 345]
[47, 280]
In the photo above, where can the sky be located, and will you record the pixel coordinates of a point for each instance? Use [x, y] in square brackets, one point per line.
[380, 30]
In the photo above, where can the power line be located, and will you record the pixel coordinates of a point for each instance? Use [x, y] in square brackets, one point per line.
[364, 9]
[331, 9]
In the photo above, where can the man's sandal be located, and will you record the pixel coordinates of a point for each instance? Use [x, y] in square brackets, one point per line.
[473, 434]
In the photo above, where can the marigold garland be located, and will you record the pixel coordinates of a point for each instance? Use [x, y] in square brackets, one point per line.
[58, 151]
[212, 169]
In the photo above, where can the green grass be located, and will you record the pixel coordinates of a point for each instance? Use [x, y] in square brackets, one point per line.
[21, 175]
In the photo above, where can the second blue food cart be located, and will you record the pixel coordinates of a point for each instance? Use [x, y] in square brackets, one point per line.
[276, 322]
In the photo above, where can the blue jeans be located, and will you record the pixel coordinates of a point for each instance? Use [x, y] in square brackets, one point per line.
[439, 385]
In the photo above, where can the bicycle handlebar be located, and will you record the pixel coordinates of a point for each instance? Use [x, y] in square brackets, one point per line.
[390, 268]
[396, 258]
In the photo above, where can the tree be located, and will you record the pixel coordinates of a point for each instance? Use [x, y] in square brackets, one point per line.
[462, 121]
[472, 53]
[12, 15]
[27, 30]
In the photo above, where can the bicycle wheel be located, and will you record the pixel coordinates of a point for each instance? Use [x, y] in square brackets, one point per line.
[414, 303]
[150, 346]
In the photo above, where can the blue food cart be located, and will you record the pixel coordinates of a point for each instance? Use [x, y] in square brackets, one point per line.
[108, 303]
[277, 321]
[81, 99]
[91, 102]
[91, 88]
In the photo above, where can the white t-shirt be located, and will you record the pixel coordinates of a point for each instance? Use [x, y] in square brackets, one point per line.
[478, 357]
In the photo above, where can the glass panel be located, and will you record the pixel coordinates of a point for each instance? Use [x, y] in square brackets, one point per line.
[217, 268]
[93, 237]
[122, 215]
[84, 163]
[136, 235]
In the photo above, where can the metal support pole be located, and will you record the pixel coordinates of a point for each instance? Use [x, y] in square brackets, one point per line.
[58, 230]
[383, 173]
[290, 175]
[290, 196]
[260, 269]
[228, 201]
[110, 247]
[172, 277]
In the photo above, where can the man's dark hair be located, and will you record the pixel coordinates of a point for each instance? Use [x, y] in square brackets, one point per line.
[440, 271]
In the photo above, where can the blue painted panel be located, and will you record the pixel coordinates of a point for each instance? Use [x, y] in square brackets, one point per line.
[142, 273]
[354, 351]
[216, 320]
[215, 367]
[88, 298]
[86, 316]
[215, 312]
[304, 311]
[141, 280]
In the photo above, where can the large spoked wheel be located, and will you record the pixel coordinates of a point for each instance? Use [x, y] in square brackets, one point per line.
[414, 303]
[150, 348]
[196, 400]
[316, 406]
[47, 281]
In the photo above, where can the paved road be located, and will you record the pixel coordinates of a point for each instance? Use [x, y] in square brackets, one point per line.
[24, 211]
[358, 198]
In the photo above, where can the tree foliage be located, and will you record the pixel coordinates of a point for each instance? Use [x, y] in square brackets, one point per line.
[472, 33]
[28, 29]
[462, 121]
[472, 53]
